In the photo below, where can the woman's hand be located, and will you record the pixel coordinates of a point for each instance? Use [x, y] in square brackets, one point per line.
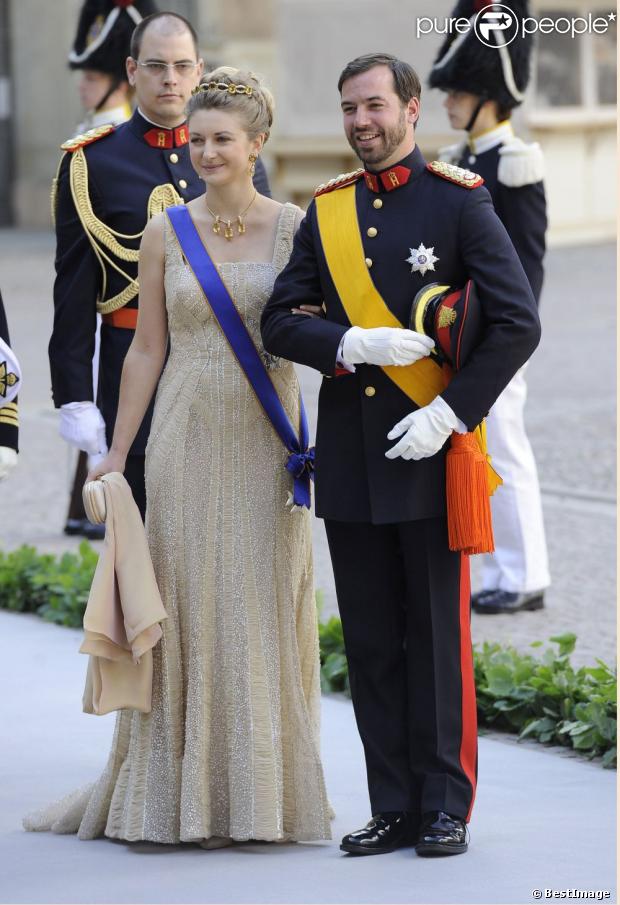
[112, 462]
[309, 310]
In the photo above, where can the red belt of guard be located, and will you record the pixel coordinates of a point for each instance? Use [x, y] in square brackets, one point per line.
[124, 317]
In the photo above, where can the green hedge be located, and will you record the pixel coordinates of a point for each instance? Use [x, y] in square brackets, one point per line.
[536, 696]
[55, 588]
[543, 698]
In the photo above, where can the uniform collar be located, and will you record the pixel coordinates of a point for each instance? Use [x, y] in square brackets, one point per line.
[398, 175]
[158, 136]
[499, 134]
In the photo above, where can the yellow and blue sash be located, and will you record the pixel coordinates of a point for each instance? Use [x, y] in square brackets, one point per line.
[300, 462]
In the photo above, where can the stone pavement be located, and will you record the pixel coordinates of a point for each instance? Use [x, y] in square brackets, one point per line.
[542, 821]
[570, 415]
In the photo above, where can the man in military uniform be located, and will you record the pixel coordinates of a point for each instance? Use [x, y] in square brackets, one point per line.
[482, 88]
[10, 380]
[370, 242]
[110, 181]
[99, 53]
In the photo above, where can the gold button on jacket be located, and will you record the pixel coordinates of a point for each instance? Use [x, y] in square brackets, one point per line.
[370, 391]
[377, 203]
[368, 262]
[371, 231]
[174, 158]
[183, 183]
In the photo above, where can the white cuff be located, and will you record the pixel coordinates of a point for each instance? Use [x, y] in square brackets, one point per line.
[340, 362]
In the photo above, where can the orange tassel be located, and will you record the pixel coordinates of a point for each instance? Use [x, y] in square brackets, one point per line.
[467, 492]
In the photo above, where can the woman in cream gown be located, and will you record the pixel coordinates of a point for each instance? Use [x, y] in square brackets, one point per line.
[230, 749]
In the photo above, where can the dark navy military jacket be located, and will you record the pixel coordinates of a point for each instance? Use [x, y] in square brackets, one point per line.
[123, 170]
[354, 480]
[522, 209]
[8, 412]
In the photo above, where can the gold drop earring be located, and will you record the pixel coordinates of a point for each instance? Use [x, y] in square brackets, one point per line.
[253, 158]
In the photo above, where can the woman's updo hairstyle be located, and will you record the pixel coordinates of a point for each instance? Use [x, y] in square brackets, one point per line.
[240, 92]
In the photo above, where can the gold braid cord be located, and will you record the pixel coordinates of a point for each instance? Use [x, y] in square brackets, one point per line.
[104, 239]
[54, 191]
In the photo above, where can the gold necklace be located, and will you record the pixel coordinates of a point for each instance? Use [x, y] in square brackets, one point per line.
[228, 229]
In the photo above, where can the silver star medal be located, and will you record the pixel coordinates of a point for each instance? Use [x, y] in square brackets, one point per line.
[422, 259]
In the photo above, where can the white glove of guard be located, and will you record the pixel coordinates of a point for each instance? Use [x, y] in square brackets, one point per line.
[8, 461]
[82, 425]
[425, 431]
[384, 346]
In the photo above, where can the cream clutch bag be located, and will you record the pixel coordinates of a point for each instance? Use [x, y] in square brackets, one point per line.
[94, 501]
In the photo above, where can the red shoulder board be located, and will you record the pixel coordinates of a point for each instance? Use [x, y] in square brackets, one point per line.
[87, 138]
[339, 182]
[455, 174]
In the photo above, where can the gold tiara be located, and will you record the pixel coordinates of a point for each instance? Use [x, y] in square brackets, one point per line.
[224, 86]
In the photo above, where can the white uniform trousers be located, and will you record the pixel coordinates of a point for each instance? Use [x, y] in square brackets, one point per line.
[519, 563]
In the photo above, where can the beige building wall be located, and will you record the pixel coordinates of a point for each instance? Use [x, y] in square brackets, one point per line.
[300, 47]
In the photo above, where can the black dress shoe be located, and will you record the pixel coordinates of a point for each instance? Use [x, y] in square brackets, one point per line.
[441, 834]
[382, 834]
[508, 602]
[480, 595]
[93, 532]
[74, 526]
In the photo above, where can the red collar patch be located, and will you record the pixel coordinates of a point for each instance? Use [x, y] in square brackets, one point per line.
[167, 138]
[388, 180]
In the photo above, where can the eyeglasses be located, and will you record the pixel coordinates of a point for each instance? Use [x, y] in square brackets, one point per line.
[184, 68]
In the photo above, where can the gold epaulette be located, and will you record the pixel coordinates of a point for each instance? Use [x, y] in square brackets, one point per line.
[339, 182]
[109, 245]
[452, 173]
[87, 138]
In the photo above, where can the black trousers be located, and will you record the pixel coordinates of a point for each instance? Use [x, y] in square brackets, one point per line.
[134, 475]
[404, 601]
[76, 506]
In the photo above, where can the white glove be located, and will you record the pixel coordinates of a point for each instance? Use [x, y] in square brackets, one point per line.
[8, 461]
[425, 431]
[384, 346]
[82, 425]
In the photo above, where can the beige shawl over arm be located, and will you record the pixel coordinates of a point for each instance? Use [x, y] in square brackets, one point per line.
[121, 622]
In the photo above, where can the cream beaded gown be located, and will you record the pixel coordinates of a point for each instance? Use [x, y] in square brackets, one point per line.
[231, 747]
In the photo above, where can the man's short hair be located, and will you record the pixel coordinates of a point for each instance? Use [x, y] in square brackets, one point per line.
[141, 27]
[406, 81]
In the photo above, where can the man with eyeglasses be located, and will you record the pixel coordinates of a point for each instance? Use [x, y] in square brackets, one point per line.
[109, 182]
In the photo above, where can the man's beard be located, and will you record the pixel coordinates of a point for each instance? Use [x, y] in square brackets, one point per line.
[389, 140]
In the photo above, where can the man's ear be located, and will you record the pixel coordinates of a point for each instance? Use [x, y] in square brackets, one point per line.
[413, 110]
[200, 68]
[131, 66]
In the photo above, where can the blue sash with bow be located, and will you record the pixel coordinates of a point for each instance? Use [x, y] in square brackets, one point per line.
[301, 459]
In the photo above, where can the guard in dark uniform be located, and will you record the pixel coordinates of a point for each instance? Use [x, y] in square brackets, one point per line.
[110, 182]
[483, 87]
[380, 482]
[10, 381]
[99, 52]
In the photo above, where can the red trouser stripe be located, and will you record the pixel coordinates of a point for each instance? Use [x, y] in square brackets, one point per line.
[469, 738]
